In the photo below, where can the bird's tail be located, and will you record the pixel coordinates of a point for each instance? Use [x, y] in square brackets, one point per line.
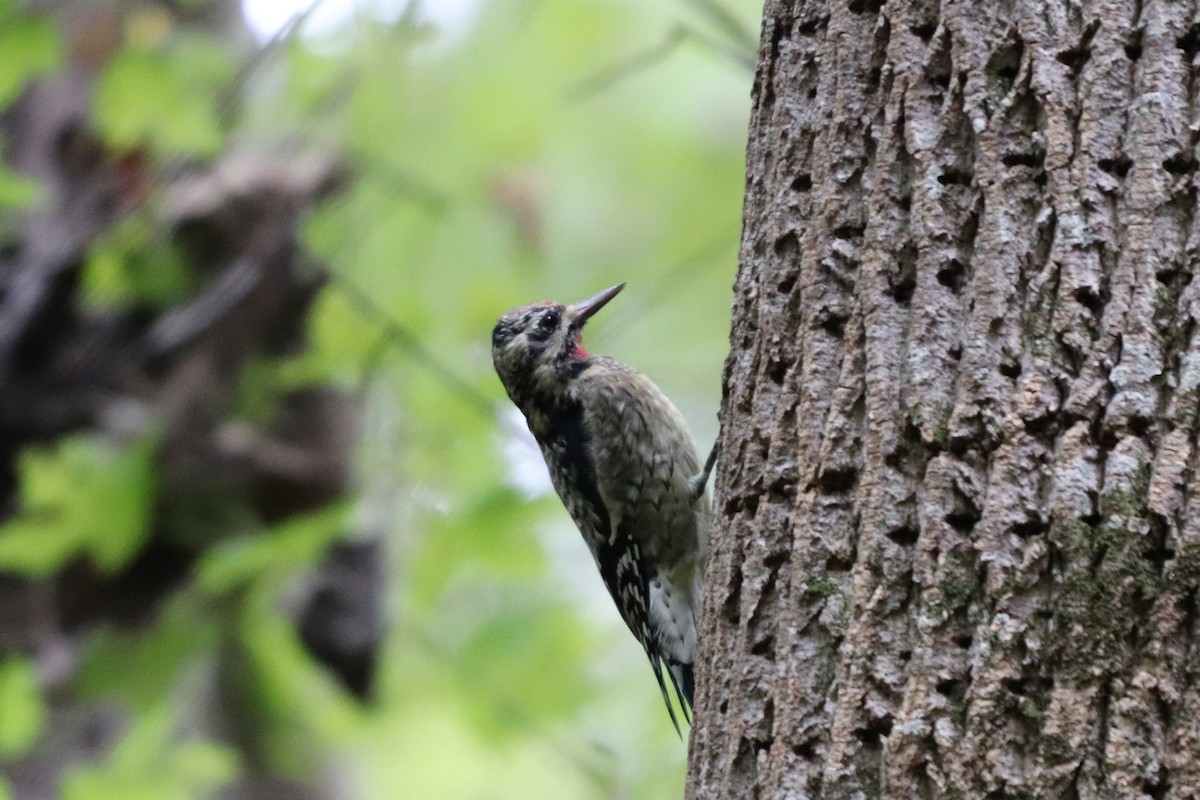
[684, 683]
[684, 680]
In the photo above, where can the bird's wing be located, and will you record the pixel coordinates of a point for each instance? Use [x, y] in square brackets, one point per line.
[570, 455]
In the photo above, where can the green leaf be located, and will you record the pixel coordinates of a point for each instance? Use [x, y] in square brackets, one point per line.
[132, 265]
[24, 714]
[290, 546]
[152, 763]
[141, 666]
[490, 538]
[166, 100]
[16, 191]
[497, 659]
[81, 495]
[29, 47]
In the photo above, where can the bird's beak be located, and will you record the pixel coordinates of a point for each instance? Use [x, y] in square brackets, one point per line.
[582, 311]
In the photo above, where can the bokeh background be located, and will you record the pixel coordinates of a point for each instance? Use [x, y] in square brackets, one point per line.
[306, 548]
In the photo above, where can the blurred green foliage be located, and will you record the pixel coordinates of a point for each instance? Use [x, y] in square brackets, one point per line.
[29, 47]
[24, 712]
[541, 150]
[183, 80]
[82, 495]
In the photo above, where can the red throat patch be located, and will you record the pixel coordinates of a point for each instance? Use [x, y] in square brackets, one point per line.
[578, 350]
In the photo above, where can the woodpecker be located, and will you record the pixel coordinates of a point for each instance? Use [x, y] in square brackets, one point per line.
[623, 462]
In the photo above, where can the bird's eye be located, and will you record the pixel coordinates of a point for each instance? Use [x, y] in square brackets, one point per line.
[549, 322]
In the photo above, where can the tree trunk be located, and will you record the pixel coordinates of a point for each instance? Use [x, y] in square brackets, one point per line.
[954, 555]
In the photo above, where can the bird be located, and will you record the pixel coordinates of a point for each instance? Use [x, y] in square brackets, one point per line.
[623, 461]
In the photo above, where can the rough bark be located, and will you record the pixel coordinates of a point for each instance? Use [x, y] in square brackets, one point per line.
[955, 555]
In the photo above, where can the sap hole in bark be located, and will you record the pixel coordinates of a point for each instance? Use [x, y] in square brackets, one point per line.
[939, 75]
[833, 324]
[1005, 63]
[1023, 687]
[776, 370]
[1108, 439]
[1133, 45]
[839, 564]
[850, 231]
[786, 285]
[744, 769]
[965, 514]
[963, 520]
[1118, 166]
[905, 535]
[1010, 369]
[952, 275]
[955, 352]
[1074, 58]
[838, 479]
[802, 183]
[905, 655]
[1032, 159]
[871, 735]
[1158, 789]
[1187, 604]
[1173, 278]
[787, 245]
[903, 281]
[873, 78]
[952, 176]
[782, 493]
[1158, 553]
[731, 609]
[924, 31]
[1047, 425]
[1180, 164]
[963, 641]
[737, 505]
[1140, 426]
[806, 750]
[766, 647]
[810, 26]
[1189, 42]
[902, 292]
[865, 6]
[1033, 526]
[1089, 298]
[953, 688]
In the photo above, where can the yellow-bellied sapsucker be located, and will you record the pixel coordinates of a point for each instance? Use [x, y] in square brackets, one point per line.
[624, 463]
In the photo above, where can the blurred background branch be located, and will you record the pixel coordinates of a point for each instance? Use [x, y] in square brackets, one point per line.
[267, 528]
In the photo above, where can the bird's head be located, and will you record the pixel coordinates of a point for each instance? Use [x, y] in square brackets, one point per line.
[537, 348]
